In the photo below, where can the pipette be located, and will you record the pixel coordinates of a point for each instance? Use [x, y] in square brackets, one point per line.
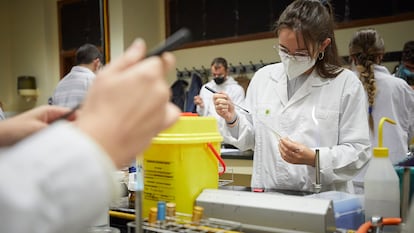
[275, 132]
[238, 106]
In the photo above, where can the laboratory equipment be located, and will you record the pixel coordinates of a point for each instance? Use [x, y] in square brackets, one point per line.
[381, 184]
[269, 212]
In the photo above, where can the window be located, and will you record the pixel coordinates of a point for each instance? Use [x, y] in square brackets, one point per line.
[80, 22]
[222, 21]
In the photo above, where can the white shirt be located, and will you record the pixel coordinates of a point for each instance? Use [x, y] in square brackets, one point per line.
[395, 100]
[329, 114]
[57, 180]
[230, 87]
[72, 89]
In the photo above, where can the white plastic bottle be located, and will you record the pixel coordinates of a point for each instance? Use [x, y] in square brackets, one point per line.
[381, 183]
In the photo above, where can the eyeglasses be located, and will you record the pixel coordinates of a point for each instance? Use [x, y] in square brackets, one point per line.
[297, 56]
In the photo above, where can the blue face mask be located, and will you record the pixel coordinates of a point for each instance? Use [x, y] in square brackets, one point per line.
[404, 73]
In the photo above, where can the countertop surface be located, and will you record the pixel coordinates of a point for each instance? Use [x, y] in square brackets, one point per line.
[234, 153]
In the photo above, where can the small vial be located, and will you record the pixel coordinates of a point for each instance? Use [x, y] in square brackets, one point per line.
[152, 217]
[161, 214]
[132, 186]
[171, 212]
[197, 215]
[131, 199]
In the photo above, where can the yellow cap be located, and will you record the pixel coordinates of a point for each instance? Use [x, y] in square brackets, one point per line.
[381, 152]
[190, 130]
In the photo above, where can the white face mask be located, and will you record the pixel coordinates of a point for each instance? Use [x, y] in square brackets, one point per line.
[296, 65]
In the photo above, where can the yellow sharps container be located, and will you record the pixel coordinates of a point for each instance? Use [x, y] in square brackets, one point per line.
[180, 163]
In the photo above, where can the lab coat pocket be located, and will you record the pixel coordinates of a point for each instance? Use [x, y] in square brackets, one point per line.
[327, 122]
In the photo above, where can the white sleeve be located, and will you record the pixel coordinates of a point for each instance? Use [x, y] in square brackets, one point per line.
[237, 95]
[242, 134]
[58, 180]
[410, 108]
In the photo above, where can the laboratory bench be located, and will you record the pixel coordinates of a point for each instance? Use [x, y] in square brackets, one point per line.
[239, 166]
[238, 175]
[120, 214]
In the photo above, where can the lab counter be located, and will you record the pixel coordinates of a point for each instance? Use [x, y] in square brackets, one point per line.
[121, 215]
[238, 173]
[239, 166]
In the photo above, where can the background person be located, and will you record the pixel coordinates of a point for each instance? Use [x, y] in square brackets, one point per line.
[221, 82]
[310, 101]
[58, 178]
[387, 97]
[72, 89]
[406, 68]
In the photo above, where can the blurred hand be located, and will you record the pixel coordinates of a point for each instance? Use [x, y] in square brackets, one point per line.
[296, 153]
[198, 101]
[224, 107]
[18, 127]
[128, 104]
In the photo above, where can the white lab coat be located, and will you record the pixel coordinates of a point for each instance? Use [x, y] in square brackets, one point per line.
[57, 180]
[338, 128]
[395, 100]
[230, 87]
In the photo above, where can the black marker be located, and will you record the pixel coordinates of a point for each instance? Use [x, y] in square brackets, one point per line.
[238, 106]
[177, 39]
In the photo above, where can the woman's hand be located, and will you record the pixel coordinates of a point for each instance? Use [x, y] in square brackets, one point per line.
[296, 153]
[25, 124]
[224, 107]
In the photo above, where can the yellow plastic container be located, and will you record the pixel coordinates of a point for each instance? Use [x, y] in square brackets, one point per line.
[179, 163]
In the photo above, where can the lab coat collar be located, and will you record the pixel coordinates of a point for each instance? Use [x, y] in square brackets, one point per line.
[381, 69]
[313, 81]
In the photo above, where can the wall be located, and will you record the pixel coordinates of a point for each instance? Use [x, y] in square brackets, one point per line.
[130, 19]
[29, 43]
[394, 34]
[6, 94]
[30, 48]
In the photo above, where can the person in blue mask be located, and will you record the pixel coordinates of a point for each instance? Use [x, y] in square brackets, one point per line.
[406, 68]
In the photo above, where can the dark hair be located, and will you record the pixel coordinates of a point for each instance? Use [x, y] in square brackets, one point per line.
[408, 52]
[366, 48]
[87, 53]
[314, 20]
[219, 61]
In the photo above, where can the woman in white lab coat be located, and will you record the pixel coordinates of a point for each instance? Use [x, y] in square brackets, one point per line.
[305, 103]
[387, 96]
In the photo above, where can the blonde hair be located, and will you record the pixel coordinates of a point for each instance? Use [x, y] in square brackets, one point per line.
[366, 49]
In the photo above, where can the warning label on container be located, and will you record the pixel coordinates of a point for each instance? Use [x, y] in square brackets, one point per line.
[158, 182]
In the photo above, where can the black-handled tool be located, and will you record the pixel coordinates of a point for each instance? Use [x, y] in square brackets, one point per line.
[177, 39]
[238, 106]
